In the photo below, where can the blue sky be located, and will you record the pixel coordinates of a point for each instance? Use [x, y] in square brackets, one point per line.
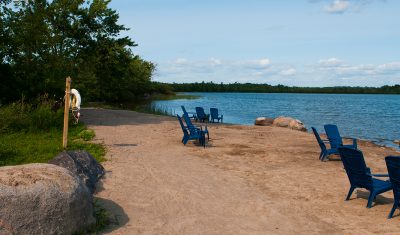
[290, 42]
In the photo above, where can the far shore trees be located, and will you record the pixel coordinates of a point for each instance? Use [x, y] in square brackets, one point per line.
[266, 88]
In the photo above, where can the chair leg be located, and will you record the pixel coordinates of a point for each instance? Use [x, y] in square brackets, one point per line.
[393, 210]
[324, 156]
[350, 192]
[321, 155]
[371, 198]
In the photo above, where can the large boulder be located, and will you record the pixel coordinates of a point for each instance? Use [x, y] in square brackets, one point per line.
[264, 121]
[82, 164]
[43, 199]
[289, 122]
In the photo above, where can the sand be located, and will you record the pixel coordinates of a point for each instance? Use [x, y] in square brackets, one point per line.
[248, 180]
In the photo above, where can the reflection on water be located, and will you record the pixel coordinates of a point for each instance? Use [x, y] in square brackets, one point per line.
[373, 117]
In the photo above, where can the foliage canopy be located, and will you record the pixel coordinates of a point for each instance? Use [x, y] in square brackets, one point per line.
[44, 41]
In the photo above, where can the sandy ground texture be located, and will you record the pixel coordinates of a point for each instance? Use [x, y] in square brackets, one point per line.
[248, 180]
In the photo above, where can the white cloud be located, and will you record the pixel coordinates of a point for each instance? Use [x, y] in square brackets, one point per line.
[264, 62]
[258, 74]
[393, 66]
[215, 62]
[337, 67]
[342, 6]
[288, 72]
[337, 6]
[180, 61]
[325, 72]
[331, 62]
[259, 64]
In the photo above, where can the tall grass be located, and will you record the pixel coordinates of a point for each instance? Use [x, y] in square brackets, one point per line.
[154, 109]
[36, 116]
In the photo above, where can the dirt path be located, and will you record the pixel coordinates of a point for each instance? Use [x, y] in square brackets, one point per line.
[249, 180]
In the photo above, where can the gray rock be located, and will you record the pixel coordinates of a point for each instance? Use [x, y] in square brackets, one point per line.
[82, 164]
[43, 199]
[263, 121]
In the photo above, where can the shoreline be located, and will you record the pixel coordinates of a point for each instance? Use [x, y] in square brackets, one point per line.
[357, 116]
[395, 146]
[249, 179]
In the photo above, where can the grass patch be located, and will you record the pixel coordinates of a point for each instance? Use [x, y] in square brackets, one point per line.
[32, 133]
[39, 147]
[86, 135]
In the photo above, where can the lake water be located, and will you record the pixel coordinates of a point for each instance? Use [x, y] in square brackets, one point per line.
[371, 117]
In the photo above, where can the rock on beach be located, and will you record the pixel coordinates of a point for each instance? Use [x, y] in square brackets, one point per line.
[289, 122]
[263, 121]
[43, 199]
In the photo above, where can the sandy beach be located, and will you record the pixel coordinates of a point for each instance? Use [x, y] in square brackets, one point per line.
[248, 180]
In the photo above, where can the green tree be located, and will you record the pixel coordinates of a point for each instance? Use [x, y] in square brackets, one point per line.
[43, 41]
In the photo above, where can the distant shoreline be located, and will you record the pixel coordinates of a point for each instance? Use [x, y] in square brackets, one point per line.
[266, 88]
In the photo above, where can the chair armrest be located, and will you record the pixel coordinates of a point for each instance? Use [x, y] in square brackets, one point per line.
[353, 145]
[194, 128]
[378, 175]
[354, 142]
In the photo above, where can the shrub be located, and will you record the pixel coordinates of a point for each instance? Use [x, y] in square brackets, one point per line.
[36, 116]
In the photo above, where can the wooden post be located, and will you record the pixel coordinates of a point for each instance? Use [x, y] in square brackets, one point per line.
[66, 111]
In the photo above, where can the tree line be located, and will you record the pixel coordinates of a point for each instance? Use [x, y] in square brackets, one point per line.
[266, 88]
[44, 41]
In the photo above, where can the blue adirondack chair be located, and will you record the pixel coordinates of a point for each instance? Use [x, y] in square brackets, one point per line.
[189, 124]
[193, 115]
[335, 140]
[201, 115]
[360, 175]
[393, 166]
[324, 151]
[214, 115]
[191, 134]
